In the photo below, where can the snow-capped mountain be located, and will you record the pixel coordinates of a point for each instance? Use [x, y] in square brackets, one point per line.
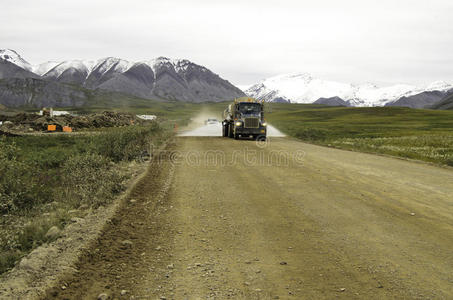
[13, 57]
[304, 88]
[164, 78]
[176, 79]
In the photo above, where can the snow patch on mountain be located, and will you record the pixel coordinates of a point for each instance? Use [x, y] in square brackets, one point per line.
[299, 88]
[111, 64]
[86, 66]
[372, 95]
[43, 68]
[57, 70]
[439, 86]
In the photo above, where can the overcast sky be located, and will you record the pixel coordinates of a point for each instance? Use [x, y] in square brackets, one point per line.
[385, 41]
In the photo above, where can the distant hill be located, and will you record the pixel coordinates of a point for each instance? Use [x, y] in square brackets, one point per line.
[333, 101]
[446, 103]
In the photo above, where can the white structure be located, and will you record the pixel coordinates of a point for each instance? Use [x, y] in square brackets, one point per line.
[55, 113]
[60, 113]
[147, 117]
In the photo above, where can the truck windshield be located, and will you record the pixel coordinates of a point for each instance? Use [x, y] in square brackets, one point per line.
[250, 108]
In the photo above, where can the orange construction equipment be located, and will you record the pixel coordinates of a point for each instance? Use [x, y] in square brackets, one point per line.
[67, 129]
[51, 127]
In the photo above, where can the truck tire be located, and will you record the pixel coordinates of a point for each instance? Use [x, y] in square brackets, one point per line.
[230, 131]
[224, 130]
[261, 138]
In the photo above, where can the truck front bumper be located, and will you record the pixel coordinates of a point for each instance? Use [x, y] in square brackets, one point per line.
[251, 131]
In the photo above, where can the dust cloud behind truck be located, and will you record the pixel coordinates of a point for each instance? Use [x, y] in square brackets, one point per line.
[244, 118]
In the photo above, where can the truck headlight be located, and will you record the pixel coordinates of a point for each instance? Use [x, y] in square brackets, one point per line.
[264, 124]
[238, 123]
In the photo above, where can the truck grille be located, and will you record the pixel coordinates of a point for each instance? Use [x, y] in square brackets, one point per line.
[251, 123]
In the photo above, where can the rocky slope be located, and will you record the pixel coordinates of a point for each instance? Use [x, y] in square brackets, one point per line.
[10, 70]
[446, 103]
[38, 93]
[32, 92]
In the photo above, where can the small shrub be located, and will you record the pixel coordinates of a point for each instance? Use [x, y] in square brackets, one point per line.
[31, 236]
[8, 259]
[89, 179]
[16, 181]
[449, 162]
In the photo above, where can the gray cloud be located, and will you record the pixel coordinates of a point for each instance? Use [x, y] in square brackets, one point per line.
[385, 41]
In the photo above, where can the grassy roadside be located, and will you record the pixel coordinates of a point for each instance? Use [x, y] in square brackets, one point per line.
[47, 180]
[425, 135]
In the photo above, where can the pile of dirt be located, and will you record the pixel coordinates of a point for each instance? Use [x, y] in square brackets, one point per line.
[27, 122]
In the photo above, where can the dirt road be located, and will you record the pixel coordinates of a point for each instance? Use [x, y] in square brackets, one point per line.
[287, 220]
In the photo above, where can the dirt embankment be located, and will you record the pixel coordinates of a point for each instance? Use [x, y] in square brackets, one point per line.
[134, 243]
[49, 265]
[26, 122]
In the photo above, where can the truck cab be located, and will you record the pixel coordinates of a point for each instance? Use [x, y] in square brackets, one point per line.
[245, 118]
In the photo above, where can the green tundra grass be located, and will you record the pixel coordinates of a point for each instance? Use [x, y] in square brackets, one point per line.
[47, 180]
[411, 133]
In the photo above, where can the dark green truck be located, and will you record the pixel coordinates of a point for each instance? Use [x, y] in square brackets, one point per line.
[244, 118]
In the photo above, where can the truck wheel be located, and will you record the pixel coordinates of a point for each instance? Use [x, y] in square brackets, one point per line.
[230, 131]
[224, 130]
[261, 138]
[236, 136]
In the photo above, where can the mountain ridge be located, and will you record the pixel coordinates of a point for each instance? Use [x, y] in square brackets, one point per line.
[304, 88]
[160, 78]
[163, 78]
